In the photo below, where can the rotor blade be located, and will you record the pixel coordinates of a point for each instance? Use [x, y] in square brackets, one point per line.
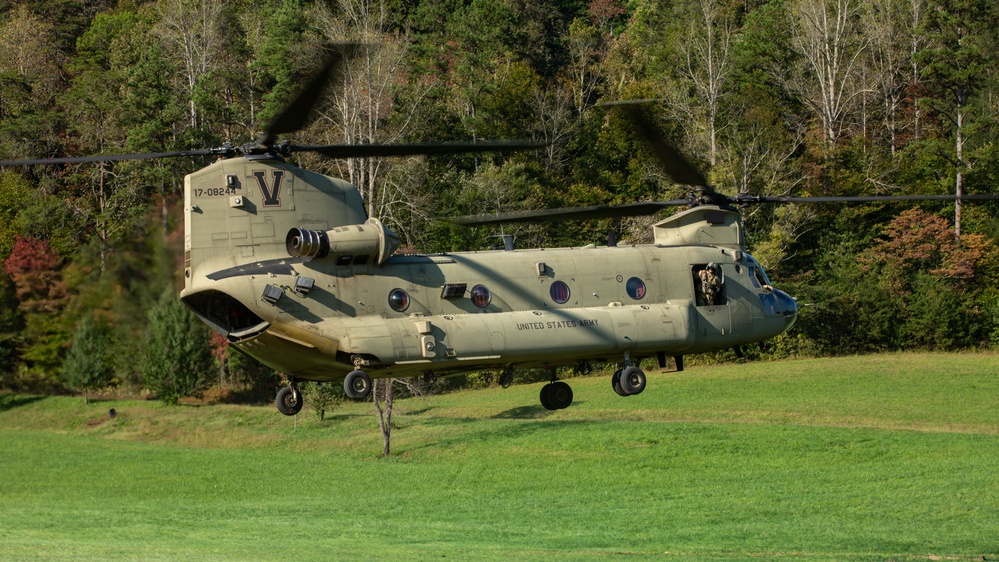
[107, 158]
[414, 149]
[678, 168]
[574, 213]
[296, 113]
[744, 199]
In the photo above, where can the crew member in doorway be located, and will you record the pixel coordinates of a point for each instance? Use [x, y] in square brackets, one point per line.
[711, 283]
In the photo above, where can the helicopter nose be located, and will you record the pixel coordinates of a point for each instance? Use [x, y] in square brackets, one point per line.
[787, 307]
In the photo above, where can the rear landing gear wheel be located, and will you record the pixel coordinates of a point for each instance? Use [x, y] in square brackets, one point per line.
[289, 401]
[357, 385]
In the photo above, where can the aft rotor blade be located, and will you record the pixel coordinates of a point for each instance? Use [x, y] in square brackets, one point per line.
[297, 112]
[416, 149]
[570, 213]
[678, 168]
[107, 158]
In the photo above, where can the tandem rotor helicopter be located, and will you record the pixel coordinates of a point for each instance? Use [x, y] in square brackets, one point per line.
[286, 265]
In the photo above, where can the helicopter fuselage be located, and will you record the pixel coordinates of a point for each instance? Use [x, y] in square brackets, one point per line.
[283, 263]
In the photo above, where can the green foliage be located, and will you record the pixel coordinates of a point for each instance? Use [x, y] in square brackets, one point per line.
[114, 78]
[14, 191]
[323, 397]
[88, 366]
[177, 361]
[10, 330]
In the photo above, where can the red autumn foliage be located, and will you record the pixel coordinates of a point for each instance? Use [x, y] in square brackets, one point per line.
[34, 267]
[919, 241]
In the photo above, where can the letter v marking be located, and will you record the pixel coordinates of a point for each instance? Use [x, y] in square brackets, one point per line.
[271, 195]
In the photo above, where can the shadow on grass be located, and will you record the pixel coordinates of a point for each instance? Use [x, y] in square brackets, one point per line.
[524, 413]
[11, 401]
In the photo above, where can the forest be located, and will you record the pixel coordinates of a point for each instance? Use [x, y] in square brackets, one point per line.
[769, 97]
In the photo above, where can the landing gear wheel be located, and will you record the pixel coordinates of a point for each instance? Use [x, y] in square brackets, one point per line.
[556, 396]
[616, 383]
[560, 395]
[357, 385]
[632, 381]
[546, 399]
[289, 401]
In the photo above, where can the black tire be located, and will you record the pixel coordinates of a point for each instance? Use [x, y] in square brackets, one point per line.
[357, 385]
[616, 383]
[559, 395]
[289, 401]
[546, 397]
[632, 381]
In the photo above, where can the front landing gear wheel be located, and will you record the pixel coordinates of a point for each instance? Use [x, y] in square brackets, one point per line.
[632, 381]
[556, 396]
[616, 383]
[357, 385]
[289, 401]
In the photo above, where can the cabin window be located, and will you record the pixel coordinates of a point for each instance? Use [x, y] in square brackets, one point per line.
[636, 288]
[559, 292]
[398, 300]
[481, 296]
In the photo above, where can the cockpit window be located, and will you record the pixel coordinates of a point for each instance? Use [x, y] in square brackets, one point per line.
[757, 275]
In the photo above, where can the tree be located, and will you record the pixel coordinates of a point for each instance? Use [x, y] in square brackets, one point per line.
[939, 284]
[177, 361]
[888, 24]
[88, 366]
[191, 30]
[10, 330]
[955, 71]
[381, 392]
[29, 79]
[708, 64]
[383, 396]
[827, 37]
[323, 396]
[36, 271]
[366, 111]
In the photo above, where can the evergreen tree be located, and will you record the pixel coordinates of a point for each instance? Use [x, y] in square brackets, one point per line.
[88, 366]
[177, 361]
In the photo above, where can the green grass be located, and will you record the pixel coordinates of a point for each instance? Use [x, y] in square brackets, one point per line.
[892, 457]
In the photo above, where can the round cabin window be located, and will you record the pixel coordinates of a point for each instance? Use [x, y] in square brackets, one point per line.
[481, 296]
[636, 288]
[559, 292]
[398, 300]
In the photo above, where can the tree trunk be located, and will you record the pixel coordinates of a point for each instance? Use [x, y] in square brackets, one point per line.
[959, 176]
[382, 390]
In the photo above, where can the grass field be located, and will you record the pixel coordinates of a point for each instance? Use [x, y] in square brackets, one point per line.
[888, 457]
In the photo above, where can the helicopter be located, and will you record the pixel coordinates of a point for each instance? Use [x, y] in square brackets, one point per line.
[285, 263]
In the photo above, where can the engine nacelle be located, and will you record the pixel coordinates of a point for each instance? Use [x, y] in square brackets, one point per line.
[372, 239]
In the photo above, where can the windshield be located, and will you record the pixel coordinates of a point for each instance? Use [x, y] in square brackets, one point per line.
[757, 275]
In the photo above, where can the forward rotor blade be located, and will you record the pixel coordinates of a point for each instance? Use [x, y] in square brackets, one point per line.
[574, 213]
[744, 199]
[107, 158]
[415, 149]
[297, 112]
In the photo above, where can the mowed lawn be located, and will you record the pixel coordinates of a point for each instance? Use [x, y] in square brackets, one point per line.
[884, 457]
